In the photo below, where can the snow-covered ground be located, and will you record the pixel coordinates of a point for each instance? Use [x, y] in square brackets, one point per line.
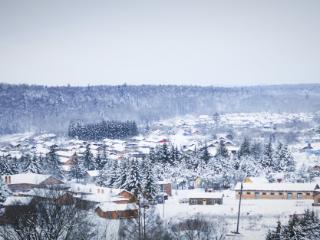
[257, 216]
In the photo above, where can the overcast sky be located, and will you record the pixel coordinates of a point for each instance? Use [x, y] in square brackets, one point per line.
[197, 42]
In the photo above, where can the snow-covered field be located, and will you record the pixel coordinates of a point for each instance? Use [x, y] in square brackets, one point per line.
[257, 216]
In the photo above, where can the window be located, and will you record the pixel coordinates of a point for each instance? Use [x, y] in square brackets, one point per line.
[308, 194]
[248, 193]
[299, 195]
[272, 193]
[264, 193]
[257, 194]
[193, 201]
[289, 195]
[280, 193]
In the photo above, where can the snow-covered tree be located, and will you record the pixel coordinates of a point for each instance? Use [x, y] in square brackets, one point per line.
[244, 150]
[77, 170]
[122, 172]
[6, 166]
[306, 227]
[4, 192]
[256, 151]
[205, 156]
[150, 186]
[108, 175]
[99, 162]
[52, 163]
[222, 151]
[34, 165]
[283, 160]
[134, 179]
[88, 162]
[268, 155]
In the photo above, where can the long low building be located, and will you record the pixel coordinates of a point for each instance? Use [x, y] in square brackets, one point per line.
[276, 190]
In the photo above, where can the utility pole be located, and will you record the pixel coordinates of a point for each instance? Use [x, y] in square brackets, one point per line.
[144, 222]
[139, 218]
[163, 206]
[241, 188]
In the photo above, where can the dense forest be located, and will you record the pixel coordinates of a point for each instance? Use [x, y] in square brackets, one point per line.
[42, 108]
[104, 129]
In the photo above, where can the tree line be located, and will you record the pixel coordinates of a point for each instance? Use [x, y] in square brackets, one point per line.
[104, 129]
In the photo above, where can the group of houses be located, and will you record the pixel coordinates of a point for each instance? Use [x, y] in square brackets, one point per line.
[29, 188]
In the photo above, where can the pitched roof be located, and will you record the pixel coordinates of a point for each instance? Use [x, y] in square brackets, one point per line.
[110, 206]
[276, 186]
[17, 200]
[28, 178]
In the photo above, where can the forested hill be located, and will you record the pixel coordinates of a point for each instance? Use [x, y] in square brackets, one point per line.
[29, 108]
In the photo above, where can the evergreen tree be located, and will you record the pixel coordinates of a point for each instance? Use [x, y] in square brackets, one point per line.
[108, 175]
[99, 161]
[267, 160]
[121, 174]
[256, 151]
[275, 235]
[25, 161]
[5, 166]
[88, 162]
[244, 150]
[150, 186]
[288, 162]
[302, 228]
[77, 170]
[283, 160]
[34, 165]
[133, 182]
[52, 161]
[222, 151]
[164, 154]
[205, 157]
[4, 192]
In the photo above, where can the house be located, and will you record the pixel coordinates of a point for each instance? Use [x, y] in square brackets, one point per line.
[276, 190]
[66, 157]
[15, 207]
[26, 181]
[316, 198]
[110, 210]
[91, 175]
[165, 187]
[205, 198]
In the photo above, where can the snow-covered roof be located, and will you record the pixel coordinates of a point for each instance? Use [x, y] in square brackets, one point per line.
[111, 206]
[17, 200]
[164, 182]
[44, 192]
[256, 180]
[29, 178]
[95, 193]
[65, 153]
[276, 186]
[93, 173]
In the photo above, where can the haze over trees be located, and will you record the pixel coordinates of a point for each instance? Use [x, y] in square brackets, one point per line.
[38, 108]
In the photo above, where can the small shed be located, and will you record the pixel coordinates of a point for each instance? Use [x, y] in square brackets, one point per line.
[205, 198]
